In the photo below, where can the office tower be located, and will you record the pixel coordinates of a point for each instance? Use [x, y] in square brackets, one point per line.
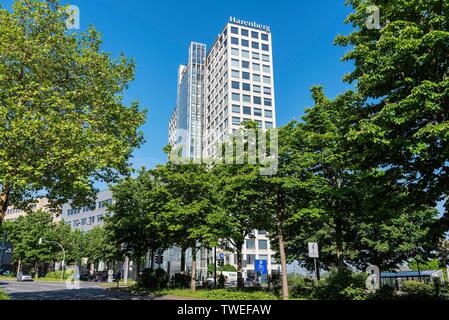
[239, 82]
[185, 128]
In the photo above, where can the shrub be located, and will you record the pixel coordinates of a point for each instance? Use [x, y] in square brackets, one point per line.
[341, 284]
[57, 274]
[384, 293]
[153, 279]
[417, 290]
[181, 281]
[303, 288]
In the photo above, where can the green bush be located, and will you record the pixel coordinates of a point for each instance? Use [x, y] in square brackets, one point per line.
[153, 279]
[341, 284]
[57, 274]
[303, 288]
[384, 293]
[221, 282]
[181, 281]
[417, 290]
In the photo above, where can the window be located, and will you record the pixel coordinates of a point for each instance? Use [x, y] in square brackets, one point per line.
[255, 45]
[235, 52]
[246, 76]
[234, 30]
[267, 80]
[250, 244]
[236, 121]
[267, 90]
[268, 114]
[91, 220]
[257, 112]
[256, 78]
[262, 232]
[256, 67]
[246, 98]
[257, 100]
[235, 85]
[235, 74]
[263, 257]
[245, 64]
[235, 63]
[246, 86]
[263, 244]
[256, 89]
[247, 110]
[234, 40]
[259, 124]
[264, 36]
[245, 54]
[266, 58]
[256, 56]
[265, 47]
[268, 125]
[100, 218]
[235, 97]
[266, 69]
[235, 108]
[268, 102]
[244, 32]
[245, 43]
[254, 34]
[250, 258]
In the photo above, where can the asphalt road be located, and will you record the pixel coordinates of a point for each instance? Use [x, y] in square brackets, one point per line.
[58, 291]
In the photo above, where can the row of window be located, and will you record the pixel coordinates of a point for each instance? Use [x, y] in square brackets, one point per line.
[87, 221]
[254, 44]
[237, 97]
[255, 66]
[235, 52]
[247, 87]
[251, 244]
[248, 111]
[245, 33]
[237, 121]
[247, 76]
[93, 206]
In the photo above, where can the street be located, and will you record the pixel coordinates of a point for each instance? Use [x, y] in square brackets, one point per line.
[57, 291]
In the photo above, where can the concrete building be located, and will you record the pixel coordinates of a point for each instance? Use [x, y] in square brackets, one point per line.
[12, 213]
[88, 217]
[238, 86]
[186, 123]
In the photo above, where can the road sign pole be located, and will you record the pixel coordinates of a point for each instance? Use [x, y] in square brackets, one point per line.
[316, 270]
[215, 267]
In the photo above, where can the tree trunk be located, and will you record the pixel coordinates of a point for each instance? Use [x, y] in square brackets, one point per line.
[138, 260]
[4, 202]
[19, 266]
[152, 259]
[240, 282]
[339, 242]
[183, 260]
[193, 278]
[283, 262]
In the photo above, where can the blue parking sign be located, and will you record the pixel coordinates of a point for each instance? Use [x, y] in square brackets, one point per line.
[261, 267]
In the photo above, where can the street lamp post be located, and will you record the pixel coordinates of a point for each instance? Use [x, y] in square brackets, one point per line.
[42, 240]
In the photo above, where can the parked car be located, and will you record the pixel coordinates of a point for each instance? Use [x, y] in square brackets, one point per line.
[24, 276]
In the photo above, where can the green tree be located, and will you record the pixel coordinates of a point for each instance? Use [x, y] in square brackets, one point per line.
[24, 234]
[98, 247]
[131, 226]
[401, 74]
[63, 124]
[188, 210]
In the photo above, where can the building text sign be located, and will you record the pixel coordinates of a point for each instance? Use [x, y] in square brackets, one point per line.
[250, 24]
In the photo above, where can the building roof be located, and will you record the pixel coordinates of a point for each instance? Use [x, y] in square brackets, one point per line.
[410, 274]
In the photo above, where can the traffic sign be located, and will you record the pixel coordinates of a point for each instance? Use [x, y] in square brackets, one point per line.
[313, 250]
[222, 255]
[261, 267]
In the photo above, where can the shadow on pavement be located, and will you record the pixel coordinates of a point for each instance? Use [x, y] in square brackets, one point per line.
[76, 294]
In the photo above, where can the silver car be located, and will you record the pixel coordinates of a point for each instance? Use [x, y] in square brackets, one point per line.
[24, 276]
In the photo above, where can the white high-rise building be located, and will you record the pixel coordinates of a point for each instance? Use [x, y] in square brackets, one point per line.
[237, 86]
[239, 82]
[185, 126]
